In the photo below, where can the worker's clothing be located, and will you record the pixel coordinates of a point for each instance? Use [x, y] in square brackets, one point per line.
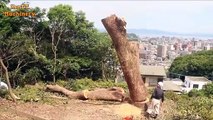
[158, 94]
[154, 107]
[156, 98]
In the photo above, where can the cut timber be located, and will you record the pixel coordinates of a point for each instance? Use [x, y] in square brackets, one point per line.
[128, 54]
[110, 94]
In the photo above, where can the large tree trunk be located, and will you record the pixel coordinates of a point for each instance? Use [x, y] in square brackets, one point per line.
[110, 94]
[128, 54]
[12, 95]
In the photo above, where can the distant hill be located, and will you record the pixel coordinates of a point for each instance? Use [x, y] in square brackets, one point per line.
[153, 32]
[165, 33]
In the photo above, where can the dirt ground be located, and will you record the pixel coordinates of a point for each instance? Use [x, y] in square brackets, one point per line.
[69, 110]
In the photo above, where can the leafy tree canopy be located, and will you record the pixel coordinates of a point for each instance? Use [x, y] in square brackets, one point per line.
[197, 64]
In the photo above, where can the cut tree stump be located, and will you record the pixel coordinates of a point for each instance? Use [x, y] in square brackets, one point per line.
[128, 54]
[110, 94]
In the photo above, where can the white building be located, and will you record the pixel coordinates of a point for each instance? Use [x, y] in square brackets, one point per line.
[194, 82]
[207, 47]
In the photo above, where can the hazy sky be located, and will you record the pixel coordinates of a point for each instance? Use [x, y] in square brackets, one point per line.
[172, 16]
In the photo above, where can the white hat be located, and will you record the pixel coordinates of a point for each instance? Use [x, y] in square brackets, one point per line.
[3, 85]
[160, 84]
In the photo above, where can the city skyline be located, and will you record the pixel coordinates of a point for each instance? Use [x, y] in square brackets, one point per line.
[172, 16]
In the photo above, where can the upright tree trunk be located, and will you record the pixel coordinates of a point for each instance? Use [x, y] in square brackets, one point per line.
[12, 95]
[54, 67]
[103, 70]
[54, 49]
[128, 55]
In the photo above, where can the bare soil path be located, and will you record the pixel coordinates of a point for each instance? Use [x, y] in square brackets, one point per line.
[71, 110]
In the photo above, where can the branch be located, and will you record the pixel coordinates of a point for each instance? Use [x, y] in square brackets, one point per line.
[59, 37]
[19, 63]
[19, 67]
[11, 56]
[39, 33]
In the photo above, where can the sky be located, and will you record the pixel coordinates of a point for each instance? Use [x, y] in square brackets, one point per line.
[171, 16]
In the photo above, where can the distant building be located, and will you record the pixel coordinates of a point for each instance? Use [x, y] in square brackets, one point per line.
[143, 56]
[194, 82]
[151, 75]
[169, 85]
[170, 47]
[196, 43]
[177, 81]
[207, 47]
[182, 53]
[185, 47]
[162, 51]
[177, 46]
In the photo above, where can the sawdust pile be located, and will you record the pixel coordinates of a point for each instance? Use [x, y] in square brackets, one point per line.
[126, 109]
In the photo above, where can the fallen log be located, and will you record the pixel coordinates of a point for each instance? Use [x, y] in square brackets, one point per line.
[109, 94]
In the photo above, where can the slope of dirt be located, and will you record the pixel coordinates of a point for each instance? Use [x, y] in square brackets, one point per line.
[71, 110]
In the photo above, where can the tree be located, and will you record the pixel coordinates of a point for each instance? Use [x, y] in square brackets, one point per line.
[14, 49]
[132, 36]
[128, 54]
[35, 27]
[61, 19]
[87, 43]
[197, 64]
[104, 55]
[3, 3]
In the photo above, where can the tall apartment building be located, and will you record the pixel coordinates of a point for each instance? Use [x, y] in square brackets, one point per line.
[162, 51]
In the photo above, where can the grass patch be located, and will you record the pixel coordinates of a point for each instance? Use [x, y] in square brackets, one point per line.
[89, 84]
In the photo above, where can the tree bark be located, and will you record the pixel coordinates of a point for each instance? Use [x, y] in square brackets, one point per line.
[110, 94]
[103, 71]
[118, 75]
[54, 53]
[128, 54]
[12, 95]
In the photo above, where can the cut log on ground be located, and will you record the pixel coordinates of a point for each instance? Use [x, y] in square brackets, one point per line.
[128, 54]
[110, 94]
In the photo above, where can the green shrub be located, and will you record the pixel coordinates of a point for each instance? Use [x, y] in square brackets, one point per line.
[82, 84]
[172, 96]
[62, 82]
[151, 90]
[208, 90]
[29, 93]
[3, 92]
[31, 76]
[195, 107]
[195, 93]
